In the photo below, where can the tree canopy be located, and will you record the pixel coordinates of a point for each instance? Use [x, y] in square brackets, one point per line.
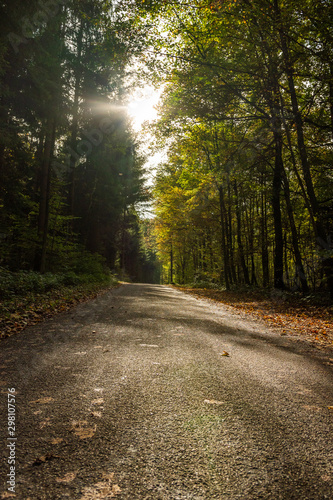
[70, 166]
[245, 195]
[247, 117]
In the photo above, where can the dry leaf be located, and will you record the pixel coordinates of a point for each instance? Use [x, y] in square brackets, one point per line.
[108, 476]
[44, 458]
[70, 476]
[213, 402]
[56, 440]
[81, 429]
[45, 423]
[330, 407]
[224, 353]
[148, 345]
[101, 491]
[98, 401]
[312, 407]
[42, 401]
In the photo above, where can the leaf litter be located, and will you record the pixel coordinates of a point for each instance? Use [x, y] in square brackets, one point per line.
[307, 317]
[82, 429]
[103, 490]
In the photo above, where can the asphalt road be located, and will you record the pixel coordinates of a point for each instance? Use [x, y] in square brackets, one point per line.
[128, 396]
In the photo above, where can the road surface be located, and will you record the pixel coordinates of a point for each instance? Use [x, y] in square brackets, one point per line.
[132, 396]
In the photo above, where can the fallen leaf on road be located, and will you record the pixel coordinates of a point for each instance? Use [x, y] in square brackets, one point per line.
[81, 429]
[45, 423]
[101, 491]
[148, 345]
[69, 477]
[42, 401]
[56, 440]
[312, 407]
[98, 401]
[213, 402]
[330, 407]
[225, 353]
[44, 458]
[108, 476]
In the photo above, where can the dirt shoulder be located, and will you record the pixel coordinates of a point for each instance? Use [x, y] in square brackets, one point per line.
[18, 314]
[291, 315]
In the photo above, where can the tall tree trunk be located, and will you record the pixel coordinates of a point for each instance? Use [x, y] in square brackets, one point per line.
[223, 235]
[330, 84]
[233, 276]
[43, 218]
[276, 204]
[171, 263]
[264, 242]
[321, 236]
[289, 69]
[300, 273]
[75, 122]
[239, 238]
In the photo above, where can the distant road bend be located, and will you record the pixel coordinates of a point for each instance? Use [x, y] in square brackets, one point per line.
[149, 393]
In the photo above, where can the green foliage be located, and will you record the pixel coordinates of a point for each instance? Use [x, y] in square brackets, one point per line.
[69, 163]
[25, 283]
[246, 192]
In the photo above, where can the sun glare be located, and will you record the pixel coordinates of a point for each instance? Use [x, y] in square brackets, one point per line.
[142, 107]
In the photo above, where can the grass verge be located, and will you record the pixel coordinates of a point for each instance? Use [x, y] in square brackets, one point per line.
[30, 307]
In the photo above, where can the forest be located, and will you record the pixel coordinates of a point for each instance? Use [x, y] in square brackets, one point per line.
[72, 174]
[245, 194]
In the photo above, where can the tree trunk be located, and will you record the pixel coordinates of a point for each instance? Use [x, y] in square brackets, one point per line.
[319, 228]
[276, 204]
[239, 238]
[75, 122]
[223, 235]
[264, 242]
[300, 273]
[43, 218]
[171, 263]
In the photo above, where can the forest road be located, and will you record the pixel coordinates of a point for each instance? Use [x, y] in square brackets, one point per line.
[128, 396]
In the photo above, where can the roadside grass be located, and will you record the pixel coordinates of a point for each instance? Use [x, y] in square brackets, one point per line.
[26, 298]
[310, 316]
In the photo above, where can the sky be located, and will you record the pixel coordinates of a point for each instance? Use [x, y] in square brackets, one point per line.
[141, 108]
